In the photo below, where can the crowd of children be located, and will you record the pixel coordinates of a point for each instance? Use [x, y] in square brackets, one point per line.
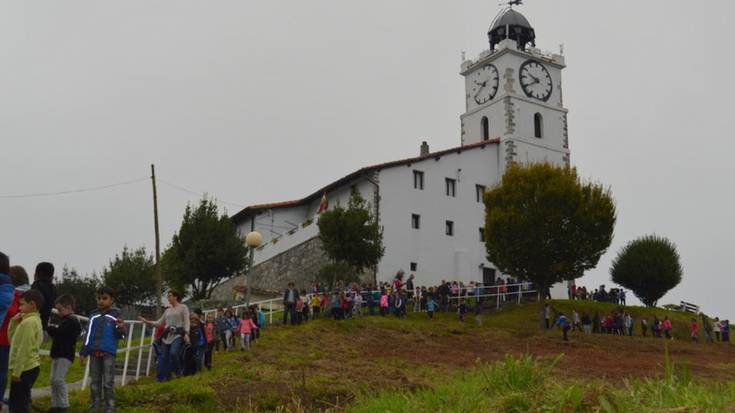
[620, 322]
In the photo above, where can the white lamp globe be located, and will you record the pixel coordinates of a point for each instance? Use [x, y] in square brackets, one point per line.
[254, 239]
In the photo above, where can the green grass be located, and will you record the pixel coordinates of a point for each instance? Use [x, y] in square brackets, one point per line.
[527, 384]
[389, 365]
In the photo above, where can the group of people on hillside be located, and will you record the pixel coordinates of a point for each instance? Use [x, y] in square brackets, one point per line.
[183, 340]
[620, 322]
[348, 300]
[613, 295]
[25, 316]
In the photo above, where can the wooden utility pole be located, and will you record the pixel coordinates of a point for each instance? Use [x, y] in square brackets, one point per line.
[159, 276]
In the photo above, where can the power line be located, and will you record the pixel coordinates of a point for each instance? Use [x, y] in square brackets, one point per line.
[72, 191]
[197, 193]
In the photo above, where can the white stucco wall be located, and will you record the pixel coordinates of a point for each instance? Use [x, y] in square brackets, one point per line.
[437, 255]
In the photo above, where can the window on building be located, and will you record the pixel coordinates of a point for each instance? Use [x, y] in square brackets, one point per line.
[485, 128]
[450, 228]
[415, 221]
[538, 125]
[418, 179]
[482, 234]
[479, 192]
[414, 266]
[451, 187]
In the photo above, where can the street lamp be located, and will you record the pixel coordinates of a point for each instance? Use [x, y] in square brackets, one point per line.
[253, 240]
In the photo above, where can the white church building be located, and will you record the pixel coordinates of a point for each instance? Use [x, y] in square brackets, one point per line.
[430, 206]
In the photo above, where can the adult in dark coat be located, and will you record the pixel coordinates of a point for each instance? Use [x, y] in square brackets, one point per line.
[290, 296]
[44, 282]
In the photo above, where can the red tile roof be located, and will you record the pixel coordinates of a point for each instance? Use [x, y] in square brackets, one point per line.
[252, 209]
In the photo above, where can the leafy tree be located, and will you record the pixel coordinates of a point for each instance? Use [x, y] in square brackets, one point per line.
[337, 271]
[83, 289]
[131, 274]
[649, 266]
[545, 225]
[206, 251]
[352, 235]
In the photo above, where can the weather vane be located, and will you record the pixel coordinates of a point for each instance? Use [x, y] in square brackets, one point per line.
[512, 3]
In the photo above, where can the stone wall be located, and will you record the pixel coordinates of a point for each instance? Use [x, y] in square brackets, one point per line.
[299, 264]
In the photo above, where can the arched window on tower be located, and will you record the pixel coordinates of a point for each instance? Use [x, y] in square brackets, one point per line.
[485, 128]
[538, 125]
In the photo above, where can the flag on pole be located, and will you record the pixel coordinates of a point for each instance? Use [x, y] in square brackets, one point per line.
[323, 204]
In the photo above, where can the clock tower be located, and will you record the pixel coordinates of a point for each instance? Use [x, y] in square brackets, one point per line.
[513, 92]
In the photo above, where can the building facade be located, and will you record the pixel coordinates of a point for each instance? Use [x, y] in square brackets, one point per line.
[430, 206]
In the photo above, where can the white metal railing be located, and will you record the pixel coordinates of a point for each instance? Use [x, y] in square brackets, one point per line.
[129, 348]
[521, 289]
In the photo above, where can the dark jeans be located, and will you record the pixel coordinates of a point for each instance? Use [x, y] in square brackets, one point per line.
[4, 353]
[208, 355]
[170, 360]
[20, 391]
[289, 309]
[564, 331]
[102, 382]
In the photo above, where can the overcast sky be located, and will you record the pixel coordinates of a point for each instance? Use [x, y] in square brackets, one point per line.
[266, 101]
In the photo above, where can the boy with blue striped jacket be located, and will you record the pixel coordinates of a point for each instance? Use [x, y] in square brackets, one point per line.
[104, 330]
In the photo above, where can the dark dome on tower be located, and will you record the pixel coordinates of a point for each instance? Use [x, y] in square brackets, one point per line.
[512, 25]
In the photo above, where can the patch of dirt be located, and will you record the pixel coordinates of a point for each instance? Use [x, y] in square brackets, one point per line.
[326, 364]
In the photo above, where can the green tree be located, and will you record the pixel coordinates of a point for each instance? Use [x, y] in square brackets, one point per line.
[649, 266]
[352, 235]
[545, 225]
[335, 271]
[83, 289]
[206, 251]
[131, 275]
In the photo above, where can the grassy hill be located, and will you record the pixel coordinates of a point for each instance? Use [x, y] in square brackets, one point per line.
[376, 364]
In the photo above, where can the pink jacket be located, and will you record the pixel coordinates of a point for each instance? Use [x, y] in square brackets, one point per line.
[666, 325]
[384, 300]
[247, 326]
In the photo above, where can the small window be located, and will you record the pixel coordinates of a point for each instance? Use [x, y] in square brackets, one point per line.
[450, 228]
[413, 266]
[538, 125]
[485, 128]
[479, 192]
[482, 234]
[451, 187]
[415, 221]
[418, 180]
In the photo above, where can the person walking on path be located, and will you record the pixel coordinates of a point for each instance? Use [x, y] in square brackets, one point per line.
[666, 327]
[547, 316]
[290, 296]
[563, 323]
[707, 327]
[177, 322]
[718, 329]
[694, 330]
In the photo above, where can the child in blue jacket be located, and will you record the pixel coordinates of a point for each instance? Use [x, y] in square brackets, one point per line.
[104, 330]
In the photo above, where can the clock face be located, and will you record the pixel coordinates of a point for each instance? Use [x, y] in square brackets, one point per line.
[536, 80]
[485, 84]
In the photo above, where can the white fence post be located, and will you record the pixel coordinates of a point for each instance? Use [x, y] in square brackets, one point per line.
[86, 374]
[140, 351]
[150, 353]
[520, 291]
[127, 354]
[270, 312]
